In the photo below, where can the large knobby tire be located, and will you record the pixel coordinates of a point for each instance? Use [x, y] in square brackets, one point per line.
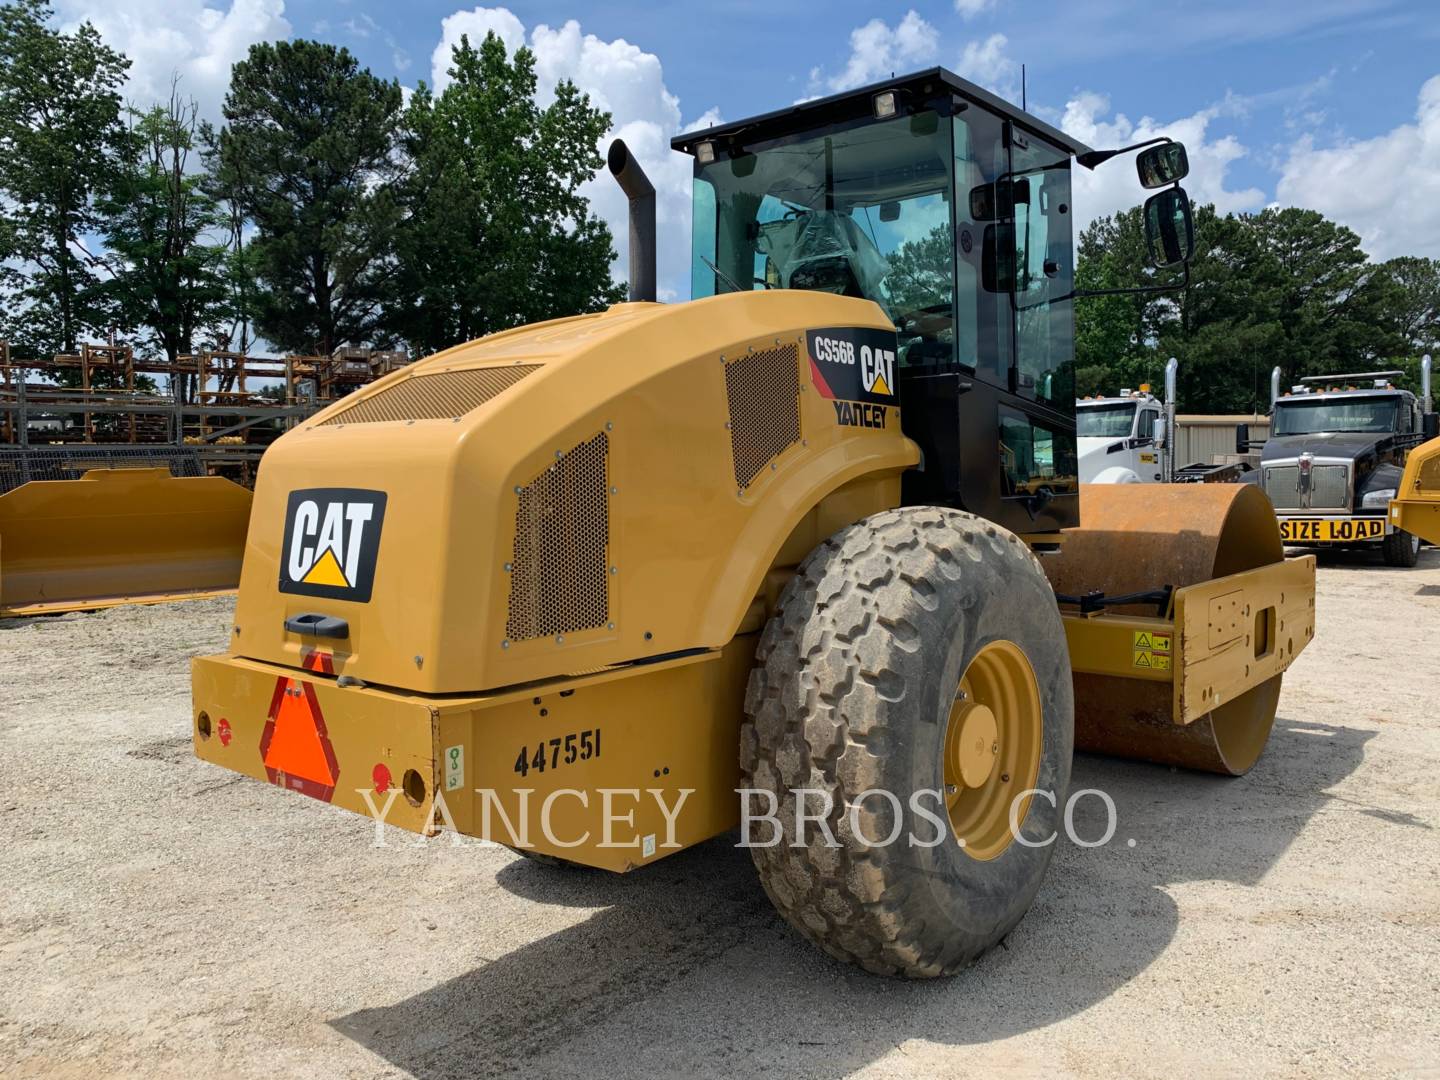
[855, 681]
[1400, 548]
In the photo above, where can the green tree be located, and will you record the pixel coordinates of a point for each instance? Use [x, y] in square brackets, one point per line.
[497, 233]
[222, 184]
[60, 131]
[1415, 303]
[160, 232]
[309, 150]
[1281, 287]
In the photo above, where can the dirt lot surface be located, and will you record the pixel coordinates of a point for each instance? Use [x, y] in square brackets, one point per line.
[161, 916]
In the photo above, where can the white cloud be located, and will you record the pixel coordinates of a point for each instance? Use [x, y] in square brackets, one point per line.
[626, 82]
[188, 38]
[985, 62]
[1386, 188]
[475, 24]
[968, 9]
[877, 51]
[1113, 186]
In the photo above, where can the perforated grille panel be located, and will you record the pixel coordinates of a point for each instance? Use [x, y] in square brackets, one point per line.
[763, 389]
[560, 570]
[440, 396]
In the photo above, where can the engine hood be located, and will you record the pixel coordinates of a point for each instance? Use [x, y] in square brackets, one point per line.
[1093, 455]
[1338, 444]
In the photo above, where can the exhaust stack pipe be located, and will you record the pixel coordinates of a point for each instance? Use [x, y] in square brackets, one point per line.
[1428, 403]
[1274, 388]
[1170, 404]
[641, 193]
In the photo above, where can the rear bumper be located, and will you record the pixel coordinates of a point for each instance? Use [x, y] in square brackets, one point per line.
[528, 767]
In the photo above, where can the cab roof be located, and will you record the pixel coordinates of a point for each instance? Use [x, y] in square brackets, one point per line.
[926, 88]
[1311, 393]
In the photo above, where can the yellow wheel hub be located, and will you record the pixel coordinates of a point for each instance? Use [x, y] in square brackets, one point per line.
[992, 748]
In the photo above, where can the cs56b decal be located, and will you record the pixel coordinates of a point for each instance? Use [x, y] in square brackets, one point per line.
[332, 536]
[851, 363]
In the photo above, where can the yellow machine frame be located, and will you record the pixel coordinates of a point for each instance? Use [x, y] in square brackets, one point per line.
[1416, 507]
[698, 536]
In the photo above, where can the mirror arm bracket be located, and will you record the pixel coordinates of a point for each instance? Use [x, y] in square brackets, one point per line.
[1134, 290]
[1094, 158]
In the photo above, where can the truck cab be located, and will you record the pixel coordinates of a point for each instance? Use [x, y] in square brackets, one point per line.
[1334, 459]
[1116, 438]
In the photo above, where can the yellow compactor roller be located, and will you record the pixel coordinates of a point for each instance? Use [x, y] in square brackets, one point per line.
[814, 536]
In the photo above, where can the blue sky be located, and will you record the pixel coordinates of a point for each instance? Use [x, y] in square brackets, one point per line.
[1311, 103]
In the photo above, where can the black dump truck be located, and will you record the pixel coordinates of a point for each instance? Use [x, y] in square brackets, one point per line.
[1334, 458]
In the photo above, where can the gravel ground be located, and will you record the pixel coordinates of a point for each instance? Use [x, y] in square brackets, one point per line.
[160, 915]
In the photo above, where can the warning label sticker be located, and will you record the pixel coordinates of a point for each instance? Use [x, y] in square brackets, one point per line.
[1150, 650]
[454, 768]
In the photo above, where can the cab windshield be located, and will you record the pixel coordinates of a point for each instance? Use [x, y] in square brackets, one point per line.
[960, 234]
[861, 212]
[1105, 421]
[1362, 414]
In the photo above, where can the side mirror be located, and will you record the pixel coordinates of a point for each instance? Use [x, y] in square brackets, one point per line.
[1169, 227]
[1242, 438]
[889, 211]
[1163, 164]
[1430, 425]
[1160, 433]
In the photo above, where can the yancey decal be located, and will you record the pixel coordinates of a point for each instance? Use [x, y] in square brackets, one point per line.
[332, 536]
[855, 368]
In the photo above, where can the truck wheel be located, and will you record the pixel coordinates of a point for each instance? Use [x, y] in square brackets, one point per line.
[1401, 548]
[917, 656]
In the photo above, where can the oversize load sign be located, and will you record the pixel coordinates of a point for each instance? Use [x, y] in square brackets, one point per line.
[332, 536]
[851, 363]
[1330, 530]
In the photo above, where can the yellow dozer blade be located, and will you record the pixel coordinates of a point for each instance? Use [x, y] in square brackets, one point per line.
[119, 536]
[1416, 508]
[1192, 680]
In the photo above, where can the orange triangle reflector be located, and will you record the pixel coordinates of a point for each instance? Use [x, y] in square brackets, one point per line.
[295, 746]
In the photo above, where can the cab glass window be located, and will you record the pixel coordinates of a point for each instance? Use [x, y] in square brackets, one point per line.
[1034, 457]
[1044, 271]
[862, 211]
[984, 324]
[1105, 421]
[1356, 414]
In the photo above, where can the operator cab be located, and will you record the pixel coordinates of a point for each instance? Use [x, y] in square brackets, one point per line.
[951, 210]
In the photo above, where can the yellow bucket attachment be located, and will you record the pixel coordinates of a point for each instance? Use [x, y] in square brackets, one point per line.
[1416, 507]
[1192, 681]
[119, 536]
